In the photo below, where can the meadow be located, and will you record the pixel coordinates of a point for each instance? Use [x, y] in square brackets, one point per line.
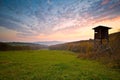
[51, 65]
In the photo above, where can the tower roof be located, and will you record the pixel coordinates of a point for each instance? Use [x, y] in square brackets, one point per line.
[101, 27]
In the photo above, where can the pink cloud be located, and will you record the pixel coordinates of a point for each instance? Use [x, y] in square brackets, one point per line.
[105, 2]
[114, 5]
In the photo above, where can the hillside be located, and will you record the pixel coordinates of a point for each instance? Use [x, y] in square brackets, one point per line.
[85, 46]
[78, 46]
[110, 57]
[51, 65]
[115, 42]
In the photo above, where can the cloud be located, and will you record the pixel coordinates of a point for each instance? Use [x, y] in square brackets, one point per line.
[105, 2]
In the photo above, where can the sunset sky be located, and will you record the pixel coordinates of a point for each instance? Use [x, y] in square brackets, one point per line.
[56, 20]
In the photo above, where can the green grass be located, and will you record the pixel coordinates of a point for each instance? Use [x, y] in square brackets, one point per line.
[51, 65]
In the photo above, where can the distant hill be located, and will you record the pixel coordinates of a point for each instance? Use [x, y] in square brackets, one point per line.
[4, 46]
[49, 43]
[23, 44]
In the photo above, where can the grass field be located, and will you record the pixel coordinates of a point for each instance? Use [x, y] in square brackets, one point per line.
[51, 65]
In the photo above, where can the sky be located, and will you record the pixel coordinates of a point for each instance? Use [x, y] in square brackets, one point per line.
[56, 20]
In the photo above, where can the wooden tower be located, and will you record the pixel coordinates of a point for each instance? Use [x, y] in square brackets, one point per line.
[101, 38]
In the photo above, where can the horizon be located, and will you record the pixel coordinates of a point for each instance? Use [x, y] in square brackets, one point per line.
[56, 20]
[48, 41]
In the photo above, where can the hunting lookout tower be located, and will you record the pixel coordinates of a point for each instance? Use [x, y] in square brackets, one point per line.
[101, 38]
